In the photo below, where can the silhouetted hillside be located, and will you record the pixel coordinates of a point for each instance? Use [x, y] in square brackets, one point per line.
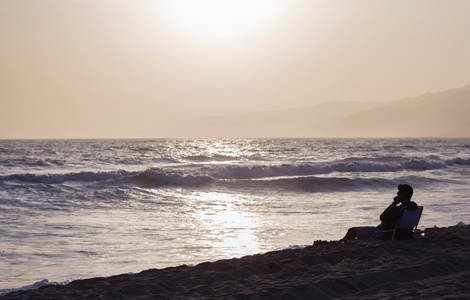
[285, 123]
[443, 114]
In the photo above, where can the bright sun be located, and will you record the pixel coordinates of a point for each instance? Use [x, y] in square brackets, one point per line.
[222, 17]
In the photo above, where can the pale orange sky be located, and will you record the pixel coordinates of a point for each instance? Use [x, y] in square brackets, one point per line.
[110, 68]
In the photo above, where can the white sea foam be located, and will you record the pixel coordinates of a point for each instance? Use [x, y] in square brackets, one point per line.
[34, 286]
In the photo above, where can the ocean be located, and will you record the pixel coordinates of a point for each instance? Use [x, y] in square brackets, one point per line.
[72, 209]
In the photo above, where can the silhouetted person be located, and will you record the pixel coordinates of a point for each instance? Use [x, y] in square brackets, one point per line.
[388, 217]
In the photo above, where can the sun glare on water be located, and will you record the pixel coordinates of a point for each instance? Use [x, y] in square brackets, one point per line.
[222, 17]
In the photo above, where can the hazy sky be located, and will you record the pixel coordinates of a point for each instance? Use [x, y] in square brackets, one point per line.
[108, 68]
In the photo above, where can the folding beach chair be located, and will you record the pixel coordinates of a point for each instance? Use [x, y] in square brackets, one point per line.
[406, 225]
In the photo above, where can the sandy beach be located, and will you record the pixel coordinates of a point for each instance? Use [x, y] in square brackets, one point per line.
[436, 266]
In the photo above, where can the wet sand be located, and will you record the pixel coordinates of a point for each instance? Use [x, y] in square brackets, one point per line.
[436, 266]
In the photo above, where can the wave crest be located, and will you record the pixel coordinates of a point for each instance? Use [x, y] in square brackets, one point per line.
[160, 177]
[61, 178]
[459, 161]
[198, 175]
[262, 171]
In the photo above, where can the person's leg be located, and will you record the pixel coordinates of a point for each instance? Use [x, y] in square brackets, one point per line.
[365, 232]
[350, 235]
[359, 233]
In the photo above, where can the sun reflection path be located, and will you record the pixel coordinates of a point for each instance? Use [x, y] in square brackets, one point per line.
[225, 225]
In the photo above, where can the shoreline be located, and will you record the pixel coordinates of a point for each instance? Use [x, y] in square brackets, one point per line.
[434, 266]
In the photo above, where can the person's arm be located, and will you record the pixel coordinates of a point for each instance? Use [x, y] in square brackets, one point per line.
[390, 214]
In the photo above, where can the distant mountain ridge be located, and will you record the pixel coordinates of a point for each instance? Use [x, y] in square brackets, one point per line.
[441, 114]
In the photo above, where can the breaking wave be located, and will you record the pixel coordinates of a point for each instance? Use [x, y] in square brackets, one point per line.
[173, 178]
[458, 161]
[197, 175]
[61, 178]
[262, 171]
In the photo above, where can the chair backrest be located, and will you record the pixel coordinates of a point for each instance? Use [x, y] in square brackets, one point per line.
[409, 219]
[407, 223]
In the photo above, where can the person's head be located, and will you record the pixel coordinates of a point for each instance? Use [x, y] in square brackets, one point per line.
[405, 191]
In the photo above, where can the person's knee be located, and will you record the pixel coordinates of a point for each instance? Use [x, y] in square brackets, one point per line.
[350, 234]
